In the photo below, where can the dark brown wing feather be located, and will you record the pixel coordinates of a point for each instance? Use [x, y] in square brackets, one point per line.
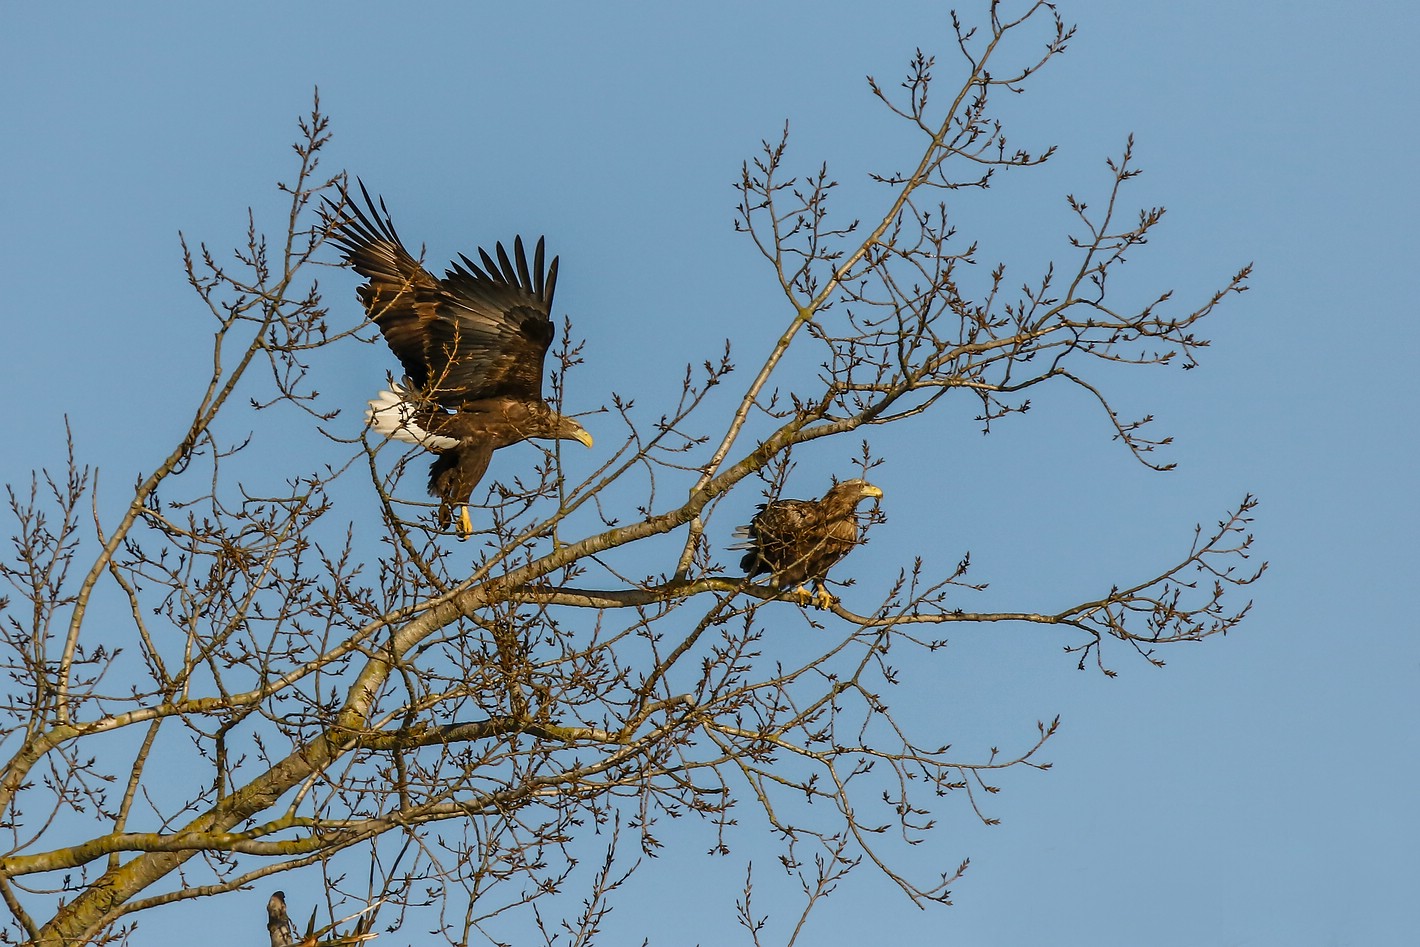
[799, 540]
[481, 332]
[500, 316]
[401, 296]
[778, 534]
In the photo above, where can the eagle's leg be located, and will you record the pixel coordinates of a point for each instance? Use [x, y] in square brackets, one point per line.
[465, 524]
[823, 598]
[801, 596]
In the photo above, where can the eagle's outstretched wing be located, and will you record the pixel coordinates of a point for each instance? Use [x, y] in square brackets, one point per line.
[481, 332]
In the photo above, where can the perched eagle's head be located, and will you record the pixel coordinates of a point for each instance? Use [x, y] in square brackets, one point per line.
[857, 490]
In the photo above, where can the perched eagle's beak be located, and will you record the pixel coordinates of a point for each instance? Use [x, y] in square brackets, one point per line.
[871, 491]
[583, 437]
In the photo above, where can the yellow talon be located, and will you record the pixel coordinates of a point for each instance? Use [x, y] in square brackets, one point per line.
[465, 529]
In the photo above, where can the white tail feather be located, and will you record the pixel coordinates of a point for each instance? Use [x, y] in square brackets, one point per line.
[742, 533]
[389, 414]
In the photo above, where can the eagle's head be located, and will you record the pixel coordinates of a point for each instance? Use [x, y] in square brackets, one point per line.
[859, 490]
[570, 430]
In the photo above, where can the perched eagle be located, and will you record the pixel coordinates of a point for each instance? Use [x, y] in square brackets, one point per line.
[798, 541]
[472, 345]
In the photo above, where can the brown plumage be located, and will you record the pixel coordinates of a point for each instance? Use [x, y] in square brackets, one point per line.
[472, 345]
[798, 541]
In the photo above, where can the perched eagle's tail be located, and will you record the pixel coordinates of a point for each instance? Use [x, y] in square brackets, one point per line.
[750, 564]
[745, 535]
[393, 416]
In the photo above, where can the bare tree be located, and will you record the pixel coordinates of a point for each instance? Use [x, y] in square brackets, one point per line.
[233, 679]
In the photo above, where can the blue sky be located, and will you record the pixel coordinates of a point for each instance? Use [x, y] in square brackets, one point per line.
[1258, 790]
